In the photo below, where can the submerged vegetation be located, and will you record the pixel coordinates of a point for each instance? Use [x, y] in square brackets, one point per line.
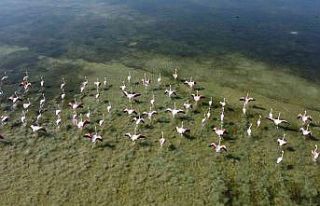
[61, 167]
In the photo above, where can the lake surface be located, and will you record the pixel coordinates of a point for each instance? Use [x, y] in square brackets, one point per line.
[285, 32]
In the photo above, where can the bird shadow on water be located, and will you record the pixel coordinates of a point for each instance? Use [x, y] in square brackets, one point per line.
[107, 145]
[233, 157]
[258, 107]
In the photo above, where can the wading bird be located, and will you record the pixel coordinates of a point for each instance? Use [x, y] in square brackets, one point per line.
[134, 137]
[162, 140]
[94, 137]
[259, 121]
[129, 111]
[210, 102]
[97, 83]
[218, 147]
[182, 130]
[175, 74]
[249, 130]
[187, 105]
[220, 132]
[36, 128]
[81, 124]
[150, 114]
[174, 111]
[75, 105]
[26, 105]
[223, 103]
[304, 117]
[197, 97]
[131, 96]
[279, 159]
[282, 141]
[169, 92]
[277, 121]
[306, 132]
[190, 83]
[138, 120]
[247, 99]
[315, 153]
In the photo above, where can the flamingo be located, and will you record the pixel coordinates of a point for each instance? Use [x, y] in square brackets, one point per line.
[204, 120]
[249, 130]
[97, 83]
[27, 104]
[210, 102]
[42, 101]
[94, 137]
[270, 115]
[315, 153]
[75, 105]
[150, 113]
[259, 121]
[4, 77]
[223, 103]
[197, 97]
[190, 83]
[23, 117]
[74, 119]
[109, 107]
[277, 121]
[279, 159]
[63, 84]
[4, 119]
[88, 114]
[222, 115]
[218, 147]
[187, 105]
[85, 82]
[175, 74]
[81, 124]
[129, 111]
[174, 111]
[282, 141]
[15, 98]
[162, 140]
[26, 76]
[39, 116]
[159, 79]
[58, 121]
[101, 121]
[36, 128]
[41, 82]
[220, 132]
[169, 92]
[123, 86]
[131, 96]
[139, 120]
[208, 113]
[304, 117]
[129, 77]
[247, 99]
[134, 137]
[146, 82]
[306, 132]
[182, 130]
[244, 109]
[105, 83]
[152, 101]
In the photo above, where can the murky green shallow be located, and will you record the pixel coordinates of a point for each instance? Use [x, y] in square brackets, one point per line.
[269, 49]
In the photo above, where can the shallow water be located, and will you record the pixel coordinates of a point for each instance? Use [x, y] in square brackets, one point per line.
[283, 32]
[228, 47]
